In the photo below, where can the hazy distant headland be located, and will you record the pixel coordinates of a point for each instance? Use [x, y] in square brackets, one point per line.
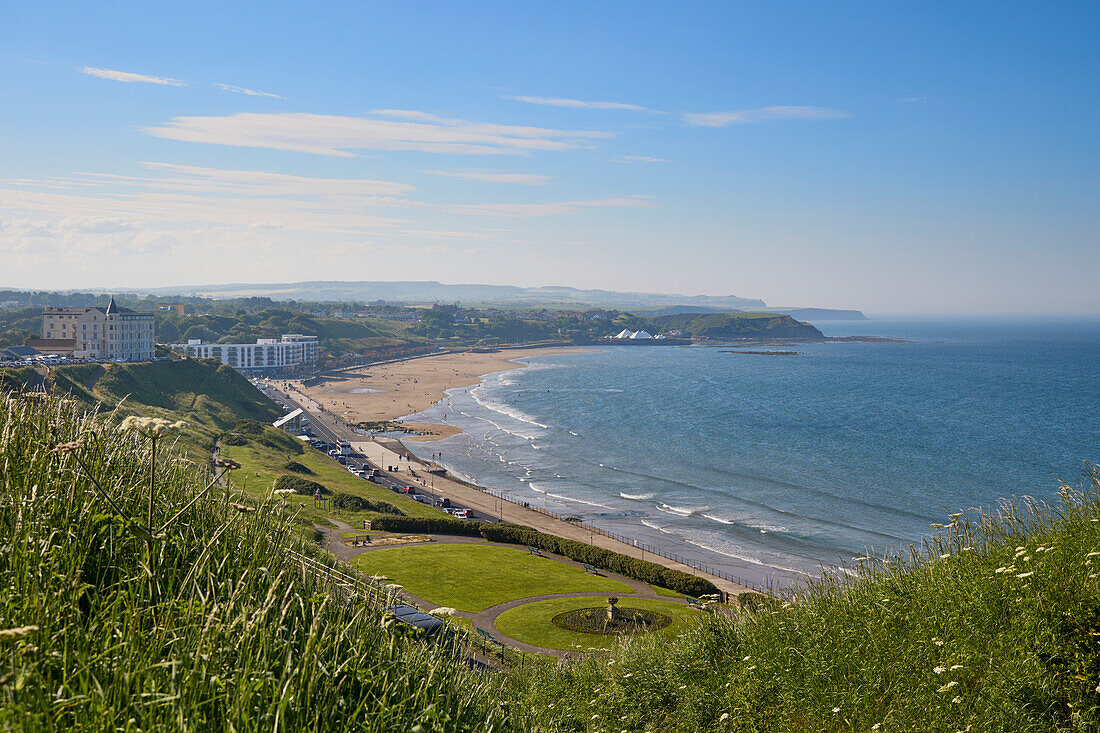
[435, 292]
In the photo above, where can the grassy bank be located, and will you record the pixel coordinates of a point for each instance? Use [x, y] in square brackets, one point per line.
[205, 623]
[994, 625]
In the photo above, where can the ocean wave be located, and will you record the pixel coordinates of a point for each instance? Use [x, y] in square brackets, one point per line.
[505, 410]
[536, 487]
[681, 511]
[747, 557]
[651, 525]
[764, 527]
[636, 497]
[576, 500]
[572, 433]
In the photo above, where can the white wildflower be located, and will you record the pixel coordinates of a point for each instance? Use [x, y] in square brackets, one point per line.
[945, 555]
[937, 642]
[876, 726]
[150, 427]
[284, 491]
[16, 633]
[443, 611]
[836, 710]
[956, 699]
[939, 670]
[949, 685]
[953, 667]
[1028, 574]
[723, 717]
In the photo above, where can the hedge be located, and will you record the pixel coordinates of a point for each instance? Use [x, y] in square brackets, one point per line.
[631, 567]
[616, 562]
[354, 503]
[427, 525]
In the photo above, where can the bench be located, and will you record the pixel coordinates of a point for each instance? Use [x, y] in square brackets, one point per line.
[694, 602]
[590, 568]
[532, 550]
[486, 635]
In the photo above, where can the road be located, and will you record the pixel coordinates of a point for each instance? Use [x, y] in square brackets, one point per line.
[330, 428]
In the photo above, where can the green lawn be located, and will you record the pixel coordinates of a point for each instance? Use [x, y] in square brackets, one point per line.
[532, 623]
[475, 577]
[666, 592]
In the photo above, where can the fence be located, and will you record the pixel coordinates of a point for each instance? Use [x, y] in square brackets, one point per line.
[633, 542]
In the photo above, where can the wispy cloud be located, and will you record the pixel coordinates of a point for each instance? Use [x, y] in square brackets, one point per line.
[555, 208]
[579, 104]
[525, 179]
[763, 114]
[917, 100]
[338, 135]
[241, 90]
[638, 159]
[130, 77]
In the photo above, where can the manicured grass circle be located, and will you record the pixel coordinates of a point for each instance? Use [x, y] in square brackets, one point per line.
[595, 621]
[534, 622]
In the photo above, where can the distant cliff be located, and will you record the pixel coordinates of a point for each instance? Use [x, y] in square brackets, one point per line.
[732, 325]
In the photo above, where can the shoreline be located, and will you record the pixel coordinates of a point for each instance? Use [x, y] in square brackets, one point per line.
[431, 378]
[391, 392]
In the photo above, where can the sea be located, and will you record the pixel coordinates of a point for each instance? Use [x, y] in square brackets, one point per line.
[777, 468]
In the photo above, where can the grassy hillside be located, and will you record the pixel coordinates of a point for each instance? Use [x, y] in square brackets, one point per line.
[994, 625]
[219, 405]
[733, 325]
[208, 623]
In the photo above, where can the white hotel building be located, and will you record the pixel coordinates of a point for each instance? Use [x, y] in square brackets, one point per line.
[266, 355]
[110, 333]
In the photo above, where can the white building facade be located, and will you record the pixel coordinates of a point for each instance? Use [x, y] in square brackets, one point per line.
[266, 355]
[112, 332]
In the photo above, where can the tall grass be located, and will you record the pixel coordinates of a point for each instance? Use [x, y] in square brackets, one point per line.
[211, 626]
[991, 625]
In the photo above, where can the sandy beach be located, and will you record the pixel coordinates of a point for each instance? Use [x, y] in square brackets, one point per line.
[389, 391]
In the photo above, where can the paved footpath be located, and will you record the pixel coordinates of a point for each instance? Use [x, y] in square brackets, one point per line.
[486, 619]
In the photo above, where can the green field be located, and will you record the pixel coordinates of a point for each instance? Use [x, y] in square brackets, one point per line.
[532, 623]
[477, 576]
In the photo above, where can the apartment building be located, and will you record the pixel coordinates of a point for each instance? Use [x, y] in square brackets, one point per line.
[271, 356]
[110, 333]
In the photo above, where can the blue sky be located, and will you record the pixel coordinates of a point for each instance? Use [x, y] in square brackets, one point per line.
[894, 157]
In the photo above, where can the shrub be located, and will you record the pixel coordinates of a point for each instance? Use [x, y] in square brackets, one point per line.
[427, 525]
[353, 503]
[753, 602]
[298, 468]
[302, 486]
